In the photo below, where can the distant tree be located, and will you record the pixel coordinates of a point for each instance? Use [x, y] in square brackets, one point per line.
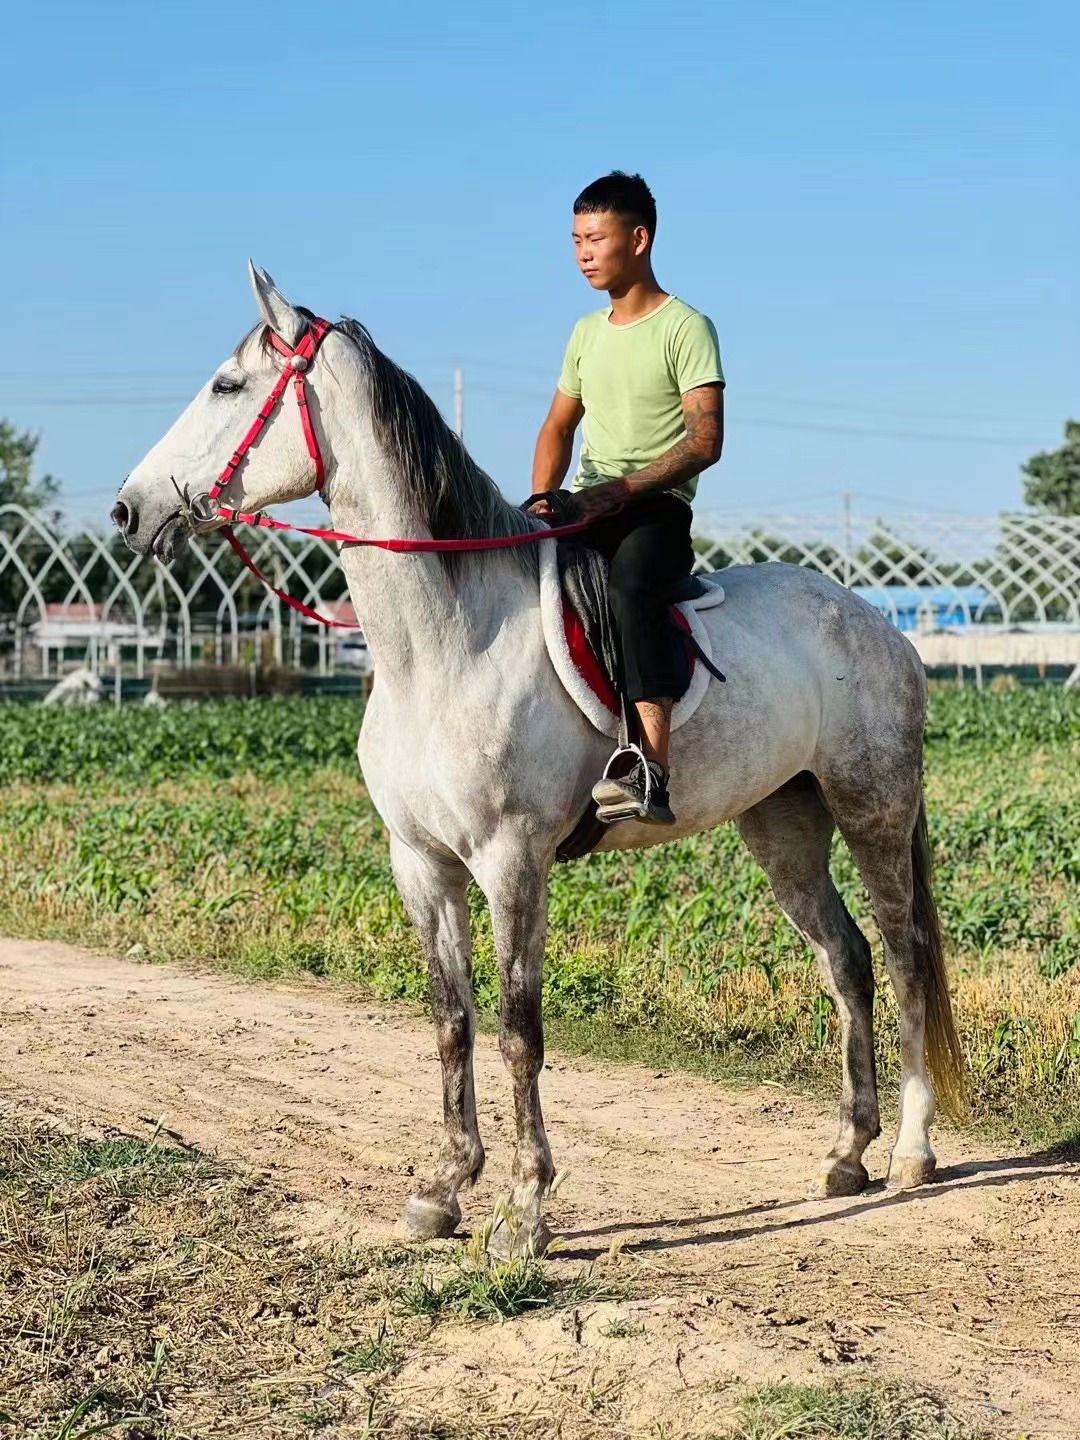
[759, 546]
[17, 483]
[38, 495]
[890, 561]
[1053, 476]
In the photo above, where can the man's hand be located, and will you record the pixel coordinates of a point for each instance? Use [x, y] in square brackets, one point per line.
[561, 507]
[596, 500]
[541, 506]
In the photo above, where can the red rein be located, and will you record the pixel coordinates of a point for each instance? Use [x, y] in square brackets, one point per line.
[300, 361]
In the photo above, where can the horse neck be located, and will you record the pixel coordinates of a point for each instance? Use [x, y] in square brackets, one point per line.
[418, 619]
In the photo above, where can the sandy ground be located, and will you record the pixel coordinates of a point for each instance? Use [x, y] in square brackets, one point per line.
[970, 1286]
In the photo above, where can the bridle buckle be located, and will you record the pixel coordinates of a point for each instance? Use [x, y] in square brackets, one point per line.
[202, 509]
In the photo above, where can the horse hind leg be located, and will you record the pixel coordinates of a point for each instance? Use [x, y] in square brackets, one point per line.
[434, 894]
[790, 836]
[892, 854]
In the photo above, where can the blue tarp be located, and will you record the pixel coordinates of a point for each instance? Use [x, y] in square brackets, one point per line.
[943, 605]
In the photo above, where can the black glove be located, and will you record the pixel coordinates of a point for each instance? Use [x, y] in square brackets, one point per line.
[561, 502]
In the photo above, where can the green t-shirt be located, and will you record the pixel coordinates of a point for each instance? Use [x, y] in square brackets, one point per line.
[631, 380]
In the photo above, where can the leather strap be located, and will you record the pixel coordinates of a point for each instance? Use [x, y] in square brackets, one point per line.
[300, 360]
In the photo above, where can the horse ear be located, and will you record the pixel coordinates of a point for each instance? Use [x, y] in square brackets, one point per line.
[282, 318]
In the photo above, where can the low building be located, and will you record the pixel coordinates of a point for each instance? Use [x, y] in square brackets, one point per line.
[926, 608]
[78, 630]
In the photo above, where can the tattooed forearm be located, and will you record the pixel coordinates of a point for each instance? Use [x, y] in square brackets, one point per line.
[703, 415]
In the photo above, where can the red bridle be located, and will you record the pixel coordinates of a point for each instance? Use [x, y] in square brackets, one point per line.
[300, 361]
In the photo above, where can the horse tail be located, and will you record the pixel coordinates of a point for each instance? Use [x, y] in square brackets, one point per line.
[944, 1055]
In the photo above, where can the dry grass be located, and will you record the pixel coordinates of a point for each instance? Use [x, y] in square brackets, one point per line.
[148, 1292]
[144, 1289]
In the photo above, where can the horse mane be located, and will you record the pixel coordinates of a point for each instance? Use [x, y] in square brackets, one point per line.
[452, 497]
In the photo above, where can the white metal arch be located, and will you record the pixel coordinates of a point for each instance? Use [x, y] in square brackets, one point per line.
[1027, 566]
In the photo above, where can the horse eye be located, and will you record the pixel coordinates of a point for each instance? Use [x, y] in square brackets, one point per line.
[224, 386]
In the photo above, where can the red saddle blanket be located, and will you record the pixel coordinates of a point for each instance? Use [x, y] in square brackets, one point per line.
[588, 664]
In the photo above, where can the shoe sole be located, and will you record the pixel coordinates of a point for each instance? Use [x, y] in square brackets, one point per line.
[613, 804]
[609, 793]
[627, 810]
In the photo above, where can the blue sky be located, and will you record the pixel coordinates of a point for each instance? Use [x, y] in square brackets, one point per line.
[877, 204]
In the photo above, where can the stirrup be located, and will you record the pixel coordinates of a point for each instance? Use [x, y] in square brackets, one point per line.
[624, 808]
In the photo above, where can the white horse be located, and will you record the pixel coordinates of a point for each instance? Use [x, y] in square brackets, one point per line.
[479, 762]
[81, 687]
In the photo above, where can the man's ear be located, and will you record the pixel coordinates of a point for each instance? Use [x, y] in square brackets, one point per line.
[284, 319]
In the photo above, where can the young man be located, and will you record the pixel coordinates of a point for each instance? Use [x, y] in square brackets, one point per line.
[644, 374]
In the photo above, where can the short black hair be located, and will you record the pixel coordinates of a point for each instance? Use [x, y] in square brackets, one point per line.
[624, 195]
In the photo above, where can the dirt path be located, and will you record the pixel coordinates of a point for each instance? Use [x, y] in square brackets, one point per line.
[971, 1286]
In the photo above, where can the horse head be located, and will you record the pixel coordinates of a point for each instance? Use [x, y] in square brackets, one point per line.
[173, 491]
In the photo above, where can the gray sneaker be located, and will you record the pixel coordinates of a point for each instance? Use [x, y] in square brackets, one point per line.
[625, 798]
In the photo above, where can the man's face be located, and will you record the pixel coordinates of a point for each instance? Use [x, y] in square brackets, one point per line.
[608, 250]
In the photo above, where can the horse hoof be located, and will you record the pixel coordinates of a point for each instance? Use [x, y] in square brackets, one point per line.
[911, 1173]
[430, 1220]
[507, 1242]
[842, 1178]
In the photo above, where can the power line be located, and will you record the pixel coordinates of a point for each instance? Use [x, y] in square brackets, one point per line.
[814, 401]
[760, 422]
[775, 505]
[143, 374]
[504, 367]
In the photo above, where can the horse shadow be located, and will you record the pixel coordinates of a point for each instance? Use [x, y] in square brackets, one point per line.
[988, 1173]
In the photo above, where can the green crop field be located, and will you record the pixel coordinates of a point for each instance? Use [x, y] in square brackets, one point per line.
[240, 835]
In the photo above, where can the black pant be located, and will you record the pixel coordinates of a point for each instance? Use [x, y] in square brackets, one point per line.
[647, 544]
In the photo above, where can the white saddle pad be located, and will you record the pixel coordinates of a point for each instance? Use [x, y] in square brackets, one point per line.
[575, 684]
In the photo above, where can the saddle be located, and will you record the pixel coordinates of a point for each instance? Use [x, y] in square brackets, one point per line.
[580, 633]
[580, 638]
[590, 631]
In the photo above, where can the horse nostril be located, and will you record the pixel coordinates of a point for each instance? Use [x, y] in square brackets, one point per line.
[124, 518]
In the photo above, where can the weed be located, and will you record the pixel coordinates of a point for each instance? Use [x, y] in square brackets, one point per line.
[157, 1364]
[480, 1286]
[835, 1412]
[319, 1414]
[419, 1295]
[123, 1162]
[374, 1353]
[72, 1427]
[375, 1421]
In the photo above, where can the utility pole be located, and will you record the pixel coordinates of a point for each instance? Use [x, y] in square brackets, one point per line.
[848, 537]
[459, 403]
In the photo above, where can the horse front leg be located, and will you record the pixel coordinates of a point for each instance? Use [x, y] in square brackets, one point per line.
[517, 897]
[434, 890]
